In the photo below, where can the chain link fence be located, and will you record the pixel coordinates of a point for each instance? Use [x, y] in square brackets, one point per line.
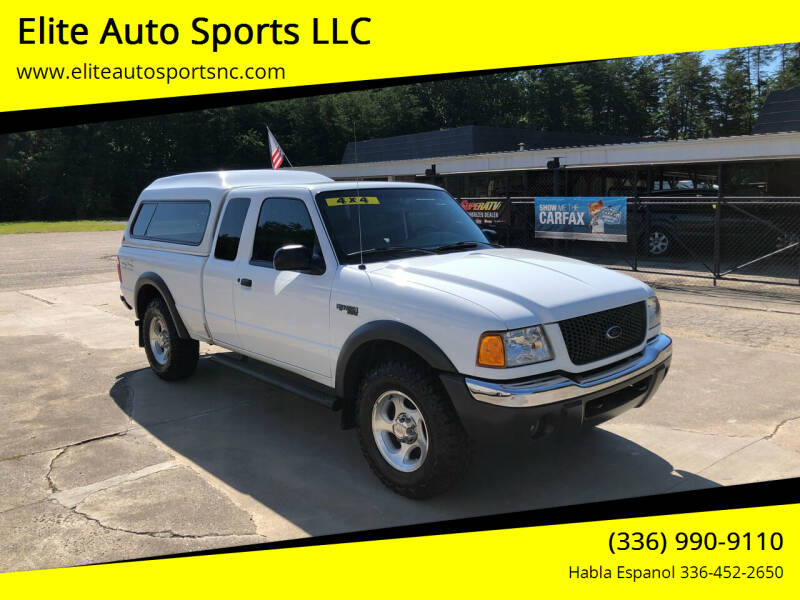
[753, 239]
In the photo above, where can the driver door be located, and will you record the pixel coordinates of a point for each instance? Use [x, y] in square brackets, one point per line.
[283, 316]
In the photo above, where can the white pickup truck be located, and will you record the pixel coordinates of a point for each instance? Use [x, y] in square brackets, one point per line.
[385, 301]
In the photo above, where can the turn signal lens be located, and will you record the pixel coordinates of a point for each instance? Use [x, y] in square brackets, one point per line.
[491, 351]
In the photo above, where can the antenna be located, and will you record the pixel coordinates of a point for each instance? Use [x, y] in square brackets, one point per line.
[361, 264]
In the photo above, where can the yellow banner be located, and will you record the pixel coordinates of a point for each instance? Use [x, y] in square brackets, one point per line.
[62, 54]
[741, 553]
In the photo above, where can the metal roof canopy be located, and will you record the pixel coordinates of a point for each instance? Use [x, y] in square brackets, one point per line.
[770, 146]
[469, 139]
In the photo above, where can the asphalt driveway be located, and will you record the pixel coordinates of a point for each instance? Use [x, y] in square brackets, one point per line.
[101, 460]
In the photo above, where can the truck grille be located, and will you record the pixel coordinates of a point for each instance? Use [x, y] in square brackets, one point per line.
[592, 337]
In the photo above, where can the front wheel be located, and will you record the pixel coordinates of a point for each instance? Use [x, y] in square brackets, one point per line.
[170, 356]
[409, 431]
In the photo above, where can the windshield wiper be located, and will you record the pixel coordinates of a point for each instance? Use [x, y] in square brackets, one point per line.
[465, 244]
[380, 249]
[457, 246]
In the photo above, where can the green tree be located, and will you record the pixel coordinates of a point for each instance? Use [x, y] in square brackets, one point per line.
[733, 95]
[686, 108]
[553, 100]
[482, 100]
[98, 170]
[788, 72]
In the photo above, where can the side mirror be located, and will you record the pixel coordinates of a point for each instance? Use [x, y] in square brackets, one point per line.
[293, 257]
[490, 234]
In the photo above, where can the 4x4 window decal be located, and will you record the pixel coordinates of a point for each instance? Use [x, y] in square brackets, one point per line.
[348, 200]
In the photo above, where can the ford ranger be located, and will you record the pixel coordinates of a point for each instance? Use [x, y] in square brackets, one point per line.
[386, 302]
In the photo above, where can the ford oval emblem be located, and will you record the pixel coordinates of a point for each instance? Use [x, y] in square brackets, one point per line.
[613, 332]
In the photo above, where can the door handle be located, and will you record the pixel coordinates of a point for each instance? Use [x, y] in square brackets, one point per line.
[245, 282]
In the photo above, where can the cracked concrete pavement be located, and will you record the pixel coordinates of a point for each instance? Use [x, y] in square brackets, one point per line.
[100, 460]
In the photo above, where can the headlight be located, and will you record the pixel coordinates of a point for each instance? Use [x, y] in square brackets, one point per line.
[513, 348]
[653, 312]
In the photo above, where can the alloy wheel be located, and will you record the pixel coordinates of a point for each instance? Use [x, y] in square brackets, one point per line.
[399, 430]
[158, 336]
[658, 243]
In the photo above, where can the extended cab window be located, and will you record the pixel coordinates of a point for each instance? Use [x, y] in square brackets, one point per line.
[230, 231]
[283, 221]
[178, 221]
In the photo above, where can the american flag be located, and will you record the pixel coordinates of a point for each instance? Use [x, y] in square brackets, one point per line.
[276, 154]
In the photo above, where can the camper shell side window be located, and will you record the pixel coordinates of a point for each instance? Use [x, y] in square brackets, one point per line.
[173, 221]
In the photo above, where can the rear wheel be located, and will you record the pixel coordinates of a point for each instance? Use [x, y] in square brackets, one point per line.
[169, 356]
[409, 431]
[659, 243]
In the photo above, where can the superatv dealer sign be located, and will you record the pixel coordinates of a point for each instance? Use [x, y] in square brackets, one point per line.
[485, 212]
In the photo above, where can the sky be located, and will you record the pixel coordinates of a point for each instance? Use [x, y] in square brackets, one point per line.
[711, 55]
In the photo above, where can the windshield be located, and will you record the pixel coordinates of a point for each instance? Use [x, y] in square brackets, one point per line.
[396, 222]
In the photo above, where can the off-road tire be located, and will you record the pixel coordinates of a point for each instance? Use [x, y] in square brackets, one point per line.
[183, 354]
[449, 447]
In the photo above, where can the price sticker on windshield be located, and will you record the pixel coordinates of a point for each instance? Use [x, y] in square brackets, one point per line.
[352, 200]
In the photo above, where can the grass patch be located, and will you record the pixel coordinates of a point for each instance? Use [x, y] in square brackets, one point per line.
[60, 226]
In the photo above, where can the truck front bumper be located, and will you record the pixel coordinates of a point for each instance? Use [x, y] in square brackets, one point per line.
[559, 401]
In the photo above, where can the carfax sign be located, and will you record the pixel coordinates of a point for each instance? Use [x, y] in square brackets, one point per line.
[602, 219]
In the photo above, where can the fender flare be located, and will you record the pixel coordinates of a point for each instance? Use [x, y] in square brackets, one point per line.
[390, 331]
[155, 280]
